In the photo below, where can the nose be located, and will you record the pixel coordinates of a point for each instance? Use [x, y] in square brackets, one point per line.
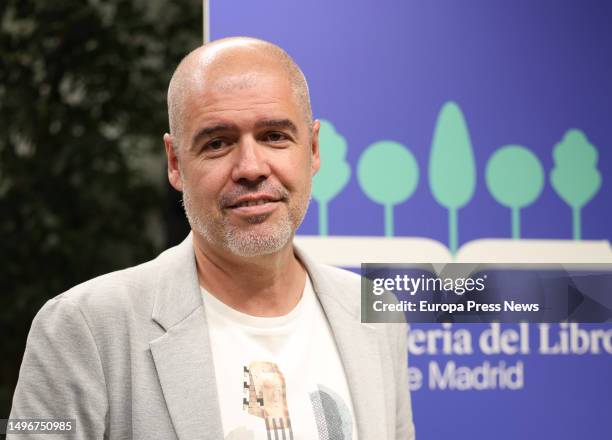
[251, 164]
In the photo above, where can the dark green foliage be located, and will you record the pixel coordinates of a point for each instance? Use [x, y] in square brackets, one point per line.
[82, 111]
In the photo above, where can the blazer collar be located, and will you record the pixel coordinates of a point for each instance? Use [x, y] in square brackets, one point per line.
[178, 288]
[182, 355]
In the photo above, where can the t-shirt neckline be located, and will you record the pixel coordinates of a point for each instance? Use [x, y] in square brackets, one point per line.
[227, 313]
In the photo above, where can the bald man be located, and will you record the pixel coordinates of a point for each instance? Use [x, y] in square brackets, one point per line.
[235, 333]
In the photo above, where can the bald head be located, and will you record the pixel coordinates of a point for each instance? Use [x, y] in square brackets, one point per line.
[226, 59]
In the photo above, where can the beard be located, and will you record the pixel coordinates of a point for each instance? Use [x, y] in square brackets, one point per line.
[262, 235]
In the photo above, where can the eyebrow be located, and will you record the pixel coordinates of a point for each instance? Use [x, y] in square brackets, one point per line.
[287, 124]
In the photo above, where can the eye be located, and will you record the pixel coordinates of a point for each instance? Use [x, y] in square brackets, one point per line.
[215, 145]
[275, 136]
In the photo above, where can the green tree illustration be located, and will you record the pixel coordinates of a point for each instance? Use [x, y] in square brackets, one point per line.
[515, 179]
[388, 174]
[575, 176]
[334, 173]
[452, 169]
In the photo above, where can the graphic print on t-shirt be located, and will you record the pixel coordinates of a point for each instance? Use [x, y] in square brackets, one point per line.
[266, 397]
[333, 416]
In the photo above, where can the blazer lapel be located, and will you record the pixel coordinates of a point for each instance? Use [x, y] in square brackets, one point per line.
[182, 356]
[359, 351]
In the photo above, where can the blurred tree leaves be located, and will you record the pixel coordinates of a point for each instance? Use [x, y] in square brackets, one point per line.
[82, 111]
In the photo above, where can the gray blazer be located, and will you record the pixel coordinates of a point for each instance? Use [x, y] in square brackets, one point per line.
[127, 355]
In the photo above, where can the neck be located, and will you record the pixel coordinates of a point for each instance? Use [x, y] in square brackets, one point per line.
[266, 285]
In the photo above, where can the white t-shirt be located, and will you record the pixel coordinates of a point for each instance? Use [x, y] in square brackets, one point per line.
[279, 378]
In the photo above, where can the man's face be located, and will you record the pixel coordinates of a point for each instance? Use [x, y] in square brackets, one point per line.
[246, 162]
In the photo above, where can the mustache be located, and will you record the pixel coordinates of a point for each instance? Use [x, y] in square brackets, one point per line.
[230, 198]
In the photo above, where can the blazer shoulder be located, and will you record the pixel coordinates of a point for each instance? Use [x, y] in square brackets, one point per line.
[113, 286]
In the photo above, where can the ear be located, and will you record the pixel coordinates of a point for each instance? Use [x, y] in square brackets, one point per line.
[174, 174]
[316, 158]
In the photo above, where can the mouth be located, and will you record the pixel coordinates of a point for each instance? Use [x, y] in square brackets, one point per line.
[256, 202]
[254, 205]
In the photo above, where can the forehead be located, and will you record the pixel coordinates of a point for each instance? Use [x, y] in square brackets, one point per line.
[241, 95]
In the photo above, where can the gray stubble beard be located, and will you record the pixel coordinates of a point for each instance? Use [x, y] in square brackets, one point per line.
[244, 243]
